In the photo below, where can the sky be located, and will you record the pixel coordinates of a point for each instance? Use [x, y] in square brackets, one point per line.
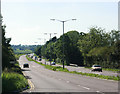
[27, 20]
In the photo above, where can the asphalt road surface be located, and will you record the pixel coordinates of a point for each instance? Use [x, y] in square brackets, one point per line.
[44, 80]
[84, 70]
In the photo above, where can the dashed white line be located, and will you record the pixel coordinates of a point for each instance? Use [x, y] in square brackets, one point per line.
[68, 81]
[97, 91]
[78, 85]
[86, 88]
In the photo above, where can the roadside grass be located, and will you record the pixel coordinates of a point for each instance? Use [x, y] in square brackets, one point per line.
[30, 59]
[58, 68]
[18, 55]
[115, 70]
[13, 79]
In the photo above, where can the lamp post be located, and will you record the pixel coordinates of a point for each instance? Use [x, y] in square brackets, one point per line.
[63, 21]
[50, 46]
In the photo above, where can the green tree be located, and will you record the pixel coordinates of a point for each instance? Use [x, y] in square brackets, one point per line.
[38, 51]
[7, 52]
[71, 52]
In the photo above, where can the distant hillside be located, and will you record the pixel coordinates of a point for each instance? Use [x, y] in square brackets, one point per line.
[23, 49]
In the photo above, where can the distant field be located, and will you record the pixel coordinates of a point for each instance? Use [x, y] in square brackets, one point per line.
[22, 51]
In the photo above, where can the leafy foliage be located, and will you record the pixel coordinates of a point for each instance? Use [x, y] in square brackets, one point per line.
[23, 49]
[100, 48]
[13, 81]
[94, 47]
[67, 50]
[12, 77]
[7, 52]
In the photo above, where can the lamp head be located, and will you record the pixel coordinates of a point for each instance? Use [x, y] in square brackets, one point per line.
[73, 19]
[52, 19]
[45, 33]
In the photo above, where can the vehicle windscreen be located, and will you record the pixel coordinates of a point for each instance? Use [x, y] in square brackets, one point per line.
[97, 66]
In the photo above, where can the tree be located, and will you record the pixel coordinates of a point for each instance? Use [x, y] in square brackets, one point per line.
[7, 52]
[71, 52]
[38, 51]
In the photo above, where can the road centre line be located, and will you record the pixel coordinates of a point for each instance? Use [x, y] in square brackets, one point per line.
[86, 88]
[68, 81]
[97, 91]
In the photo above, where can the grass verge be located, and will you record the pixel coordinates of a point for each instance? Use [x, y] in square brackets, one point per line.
[114, 70]
[58, 68]
[18, 55]
[13, 79]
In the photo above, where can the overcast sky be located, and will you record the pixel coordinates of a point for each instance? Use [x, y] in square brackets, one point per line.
[28, 20]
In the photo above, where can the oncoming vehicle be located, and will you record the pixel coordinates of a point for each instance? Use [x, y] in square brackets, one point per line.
[40, 59]
[53, 63]
[96, 68]
[26, 65]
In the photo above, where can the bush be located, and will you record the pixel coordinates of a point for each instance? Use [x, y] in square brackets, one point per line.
[13, 81]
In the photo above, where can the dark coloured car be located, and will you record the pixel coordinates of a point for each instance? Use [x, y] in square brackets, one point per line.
[26, 65]
[40, 59]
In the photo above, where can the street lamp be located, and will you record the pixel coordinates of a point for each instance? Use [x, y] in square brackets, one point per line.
[50, 46]
[63, 21]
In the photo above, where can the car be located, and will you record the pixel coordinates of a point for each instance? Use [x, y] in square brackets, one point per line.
[52, 63]
[40, 59]
[26, 65]
[96, 68]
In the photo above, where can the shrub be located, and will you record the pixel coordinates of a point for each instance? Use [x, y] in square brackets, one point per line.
[13, 81]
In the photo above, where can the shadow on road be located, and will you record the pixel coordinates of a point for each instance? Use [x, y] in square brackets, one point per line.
[25, 69]
[28, 77]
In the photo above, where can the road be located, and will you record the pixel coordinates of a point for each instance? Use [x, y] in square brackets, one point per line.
[45, 80]
[84, 70]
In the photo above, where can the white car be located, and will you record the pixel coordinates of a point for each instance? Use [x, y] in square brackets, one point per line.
[53, 63]
[96, 68]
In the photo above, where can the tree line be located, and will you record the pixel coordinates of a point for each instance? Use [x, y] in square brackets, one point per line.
[7, 51]
[84, 49]
[23, 49]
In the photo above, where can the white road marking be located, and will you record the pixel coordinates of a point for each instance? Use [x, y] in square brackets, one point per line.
[29, 82]
[97, 91]
[86, 88]
[68, 81]
[59, 79]
[31, 85]
[78, 85]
